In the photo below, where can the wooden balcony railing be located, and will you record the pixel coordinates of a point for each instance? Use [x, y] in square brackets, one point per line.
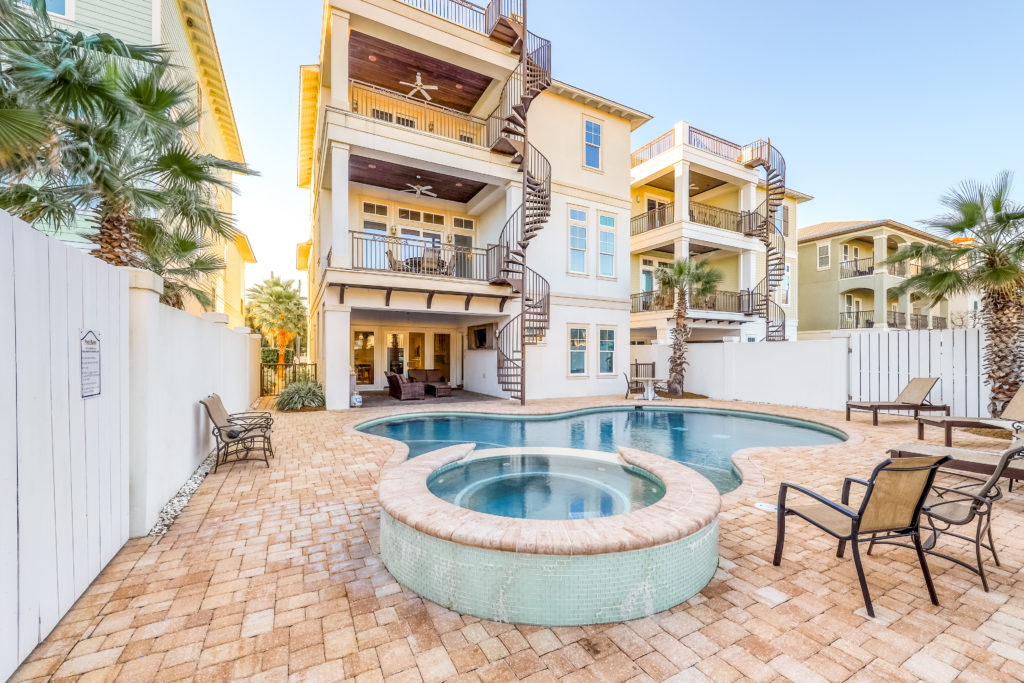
[653, 148]
[456, 11]
[714, 144]
[397, 109]
[655, 218]
[857, 267]
[895, 319]
[716, 217]
[853, 320]
[918, 321]
[419, 257]
[938, 322]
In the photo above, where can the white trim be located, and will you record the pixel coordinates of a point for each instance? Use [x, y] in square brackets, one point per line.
[613, 229]
[817, 255]
[157, 26]
[615, 342]
[600, 146]
[570, 222]
[569, 327]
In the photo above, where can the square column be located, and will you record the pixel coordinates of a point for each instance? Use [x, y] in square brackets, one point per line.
[338, 76]
[881, 247]
[748, 197]
[335, 239]
[904, 307]
[337, 355]
[681, 188]
[881, 302]
[748, 269]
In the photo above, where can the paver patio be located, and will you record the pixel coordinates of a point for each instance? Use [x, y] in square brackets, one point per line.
[274, 574]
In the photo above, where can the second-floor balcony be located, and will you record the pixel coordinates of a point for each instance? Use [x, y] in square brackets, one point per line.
[408, 256]
[854, 320]
[387, 106]
[704, 214]
[721, 301]
[857, 267]
[918, 321]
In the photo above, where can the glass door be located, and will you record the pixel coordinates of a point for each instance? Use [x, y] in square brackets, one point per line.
[463, 255]
[396, 353]
[374, 254]
[443, 356]
[417, 350]
[362, 356]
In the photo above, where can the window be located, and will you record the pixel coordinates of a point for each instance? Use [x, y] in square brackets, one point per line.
[463, 223]
[592, 144]
[53, 6]
[784, 287]
[577, 241]
[396, 353]
[467, 137]
[606, 246]
[362, 356]
[375, 209]
[433, 218]
[577, 350]
[409, 215]
[849, 303]
[382, 115]
[606, 352]
[824, 257]
[405, 121]
[648, 280]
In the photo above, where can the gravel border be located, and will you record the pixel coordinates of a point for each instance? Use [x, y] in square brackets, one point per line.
[175, 505]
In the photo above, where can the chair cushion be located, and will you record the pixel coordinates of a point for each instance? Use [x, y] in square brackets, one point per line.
[832, 520]
[418, 375]
[434, 376]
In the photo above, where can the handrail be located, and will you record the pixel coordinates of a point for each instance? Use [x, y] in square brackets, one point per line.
[723, 301]
[895, 318]
[657, 146]
[388, 106]
[417, 256]
[655, 218]
[918, 321]
[717, 217]
[852, 320]
[857, 267]
[642, 302]
[459, 12]
[714, 144]
[938, 322]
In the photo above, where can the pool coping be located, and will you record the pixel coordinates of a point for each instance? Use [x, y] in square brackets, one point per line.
[691, 502]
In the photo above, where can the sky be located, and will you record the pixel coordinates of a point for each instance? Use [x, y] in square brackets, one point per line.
[878, 107]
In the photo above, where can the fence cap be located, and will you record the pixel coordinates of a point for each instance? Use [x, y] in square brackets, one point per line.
[216, 318]
[139, 278]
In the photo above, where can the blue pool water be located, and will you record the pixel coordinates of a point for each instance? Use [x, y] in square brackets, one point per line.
[700, 438]
[545, 487]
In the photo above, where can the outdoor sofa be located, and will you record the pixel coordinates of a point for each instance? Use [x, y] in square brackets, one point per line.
[433, 381]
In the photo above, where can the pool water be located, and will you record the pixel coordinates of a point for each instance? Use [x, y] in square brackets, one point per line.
[549, 487]
[703, 439]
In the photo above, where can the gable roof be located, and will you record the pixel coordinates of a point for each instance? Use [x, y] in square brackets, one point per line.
[836, 228]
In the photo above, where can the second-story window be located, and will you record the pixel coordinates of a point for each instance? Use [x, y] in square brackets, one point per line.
[462, 223]
[606, 247]
[577, 241]
[592, 144]
[824, 257]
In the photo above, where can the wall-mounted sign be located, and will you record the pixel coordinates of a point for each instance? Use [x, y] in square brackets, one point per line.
[90, 346]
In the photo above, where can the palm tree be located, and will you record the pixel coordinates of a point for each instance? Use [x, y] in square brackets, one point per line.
[120, 148]
[683, 279]
[278, 311]
[183, 259]
[986, 255]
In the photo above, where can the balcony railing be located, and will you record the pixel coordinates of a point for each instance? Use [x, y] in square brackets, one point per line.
[938, 322]
[898, 269]
[714, 144]
[419, 257]
[653, 149]
[857, 267]
[642, 302]
[456, 11]
[895, 319]
[918, 321]
[397, 109]
[723, 302]
[655, 218]
[853, 320]
[716, 217]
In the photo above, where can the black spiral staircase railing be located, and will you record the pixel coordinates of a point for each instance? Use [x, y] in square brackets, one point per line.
[507, 132]
[761, 223]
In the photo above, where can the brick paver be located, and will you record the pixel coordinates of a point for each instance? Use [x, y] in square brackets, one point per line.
[274, 574]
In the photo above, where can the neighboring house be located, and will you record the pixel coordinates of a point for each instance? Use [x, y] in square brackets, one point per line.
[184, 27]
[410, 144]
[696, 195]
[845, 283]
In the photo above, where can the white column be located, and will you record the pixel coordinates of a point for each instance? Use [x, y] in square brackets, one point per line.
[905, 307]
[337, 355]
[144, 290]
[748, 197]
[881, 253]
[748, 269]
[681, 187]
[881, 301]
[339, 58]
[336, 238]
[681, 248]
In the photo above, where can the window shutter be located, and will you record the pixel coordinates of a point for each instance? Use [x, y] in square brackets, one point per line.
[785, 221]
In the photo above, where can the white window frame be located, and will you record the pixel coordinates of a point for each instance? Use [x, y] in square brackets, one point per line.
[472, 221]
[788, 279]
[572, 222]
[613, 330]
[602, 230]
[600, 145]
[569, 350]
[828, 255]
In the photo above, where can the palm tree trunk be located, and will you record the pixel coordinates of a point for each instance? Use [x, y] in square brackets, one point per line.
[115, 236]
[678, 361]
[1002, 315]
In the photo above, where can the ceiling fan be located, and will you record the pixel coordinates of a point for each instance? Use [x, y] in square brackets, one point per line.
[418, 87]
[420, 190]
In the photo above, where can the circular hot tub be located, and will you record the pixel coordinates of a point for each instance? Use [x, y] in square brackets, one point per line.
[549, 536]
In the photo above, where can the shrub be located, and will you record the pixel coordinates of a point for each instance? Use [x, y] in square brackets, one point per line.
[298, 395]
[268, 354]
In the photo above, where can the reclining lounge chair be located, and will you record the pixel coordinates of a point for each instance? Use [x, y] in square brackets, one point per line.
[1013, 412]
[913, 397]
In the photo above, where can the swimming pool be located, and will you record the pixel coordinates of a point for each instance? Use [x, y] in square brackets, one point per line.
[701, 438]
[535, 486]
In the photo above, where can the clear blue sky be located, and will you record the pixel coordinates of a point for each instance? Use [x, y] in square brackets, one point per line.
[878, 107]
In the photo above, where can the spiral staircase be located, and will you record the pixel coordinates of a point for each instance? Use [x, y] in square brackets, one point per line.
[761, 223]
[507, 133]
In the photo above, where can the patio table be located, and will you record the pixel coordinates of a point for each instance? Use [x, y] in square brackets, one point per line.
[649, 383]
[414, 264]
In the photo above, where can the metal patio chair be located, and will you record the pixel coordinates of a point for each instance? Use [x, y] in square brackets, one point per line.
[237, 440]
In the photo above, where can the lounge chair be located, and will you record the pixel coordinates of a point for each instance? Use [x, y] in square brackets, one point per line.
[249, 418]
[1012, 413]
[962, 459]
[913, 397]
[404, 389]
[238, 440]
[968, 502]
[891, 508]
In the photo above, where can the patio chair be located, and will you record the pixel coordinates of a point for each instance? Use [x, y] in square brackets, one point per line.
[395, 264]
[962, 459]
[632, 386]
[238, 440]
[913, 397]
[969, 502]
[404, 389]
[431, 260]
[248, 418]
[891, 508]
[1013, 412]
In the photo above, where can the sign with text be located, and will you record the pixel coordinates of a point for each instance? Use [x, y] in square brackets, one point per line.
[90, 347]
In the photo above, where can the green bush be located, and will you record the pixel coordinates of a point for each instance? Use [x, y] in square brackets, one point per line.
[299, 395]
[268, 354]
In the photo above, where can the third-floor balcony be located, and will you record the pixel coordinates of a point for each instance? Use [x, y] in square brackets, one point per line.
[704, 214]
[394, 108]
[409, 256]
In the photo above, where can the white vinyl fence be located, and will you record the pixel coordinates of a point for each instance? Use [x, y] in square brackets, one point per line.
[99, 419]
